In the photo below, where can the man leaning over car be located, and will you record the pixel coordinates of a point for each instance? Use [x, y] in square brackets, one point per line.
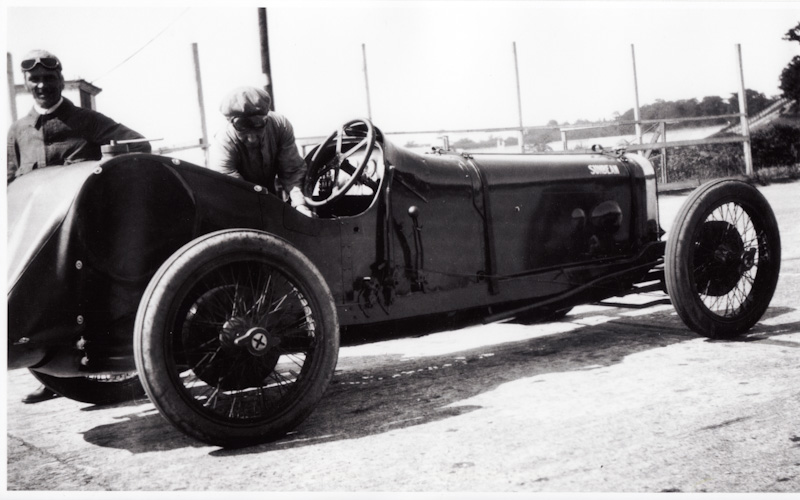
[258, 145]
[56, 132]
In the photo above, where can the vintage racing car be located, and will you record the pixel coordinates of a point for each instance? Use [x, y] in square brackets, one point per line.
[225, 304]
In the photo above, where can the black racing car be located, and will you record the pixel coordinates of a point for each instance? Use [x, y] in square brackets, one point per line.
[225, 304]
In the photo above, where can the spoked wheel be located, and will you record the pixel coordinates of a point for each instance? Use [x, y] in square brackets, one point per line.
[95, 389]
[723, 259]
[236, 338]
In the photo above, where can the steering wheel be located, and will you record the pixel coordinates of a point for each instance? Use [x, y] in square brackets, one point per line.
[319, 167]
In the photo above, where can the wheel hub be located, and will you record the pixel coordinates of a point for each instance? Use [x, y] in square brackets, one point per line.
[748, 260]
[240, 344]
[720, 258]
[258, 341]
[237, 333]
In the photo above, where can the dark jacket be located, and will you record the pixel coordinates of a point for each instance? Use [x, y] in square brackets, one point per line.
[68, 135]
[273, 153]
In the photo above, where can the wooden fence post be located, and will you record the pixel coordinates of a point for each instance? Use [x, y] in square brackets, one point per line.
[366, 80]
[199, 85]
[663, 135]
[636, 115]
[748, 155]
[12, 91]
[519, 103]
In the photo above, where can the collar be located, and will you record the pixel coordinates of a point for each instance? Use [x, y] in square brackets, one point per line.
[43, 111]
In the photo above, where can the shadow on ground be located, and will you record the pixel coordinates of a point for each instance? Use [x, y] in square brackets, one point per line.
[379, 394]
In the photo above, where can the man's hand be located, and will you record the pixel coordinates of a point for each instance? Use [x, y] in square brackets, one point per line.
[303, 209]
[298, 201]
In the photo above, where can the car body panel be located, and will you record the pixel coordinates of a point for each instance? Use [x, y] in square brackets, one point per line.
[442, 232]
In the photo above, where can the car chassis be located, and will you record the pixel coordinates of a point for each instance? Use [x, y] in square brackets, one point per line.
[224, 304]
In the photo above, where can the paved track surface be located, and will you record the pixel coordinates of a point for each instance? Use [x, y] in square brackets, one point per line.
[606, 400]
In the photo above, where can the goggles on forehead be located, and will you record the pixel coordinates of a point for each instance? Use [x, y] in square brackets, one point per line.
[243, 123]
[47, 62]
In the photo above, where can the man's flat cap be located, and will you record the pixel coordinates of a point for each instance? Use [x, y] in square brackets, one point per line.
[245, 101]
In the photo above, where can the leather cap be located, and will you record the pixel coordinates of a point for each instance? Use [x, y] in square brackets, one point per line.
[245, 101]
[40, 54]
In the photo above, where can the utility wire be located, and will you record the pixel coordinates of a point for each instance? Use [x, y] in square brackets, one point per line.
[142, 47]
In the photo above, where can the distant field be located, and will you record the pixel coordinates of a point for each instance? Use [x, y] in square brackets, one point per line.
[425, 142]
[681, 134]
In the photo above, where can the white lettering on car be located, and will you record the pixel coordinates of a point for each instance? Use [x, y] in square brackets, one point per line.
[603, 169]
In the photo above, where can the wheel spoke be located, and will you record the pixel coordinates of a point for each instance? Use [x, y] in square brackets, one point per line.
[262, 297]
[739, 233]
[224, 377]
[206, 360]
[295, 359]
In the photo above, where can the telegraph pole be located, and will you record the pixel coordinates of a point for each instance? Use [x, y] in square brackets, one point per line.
[265, 65]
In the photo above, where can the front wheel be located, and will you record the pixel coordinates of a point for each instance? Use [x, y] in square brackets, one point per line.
[723, 258]
[236, 338]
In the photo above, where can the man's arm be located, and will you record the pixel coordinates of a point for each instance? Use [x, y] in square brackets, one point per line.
[103, 130]
[292, 167]
[223, 156]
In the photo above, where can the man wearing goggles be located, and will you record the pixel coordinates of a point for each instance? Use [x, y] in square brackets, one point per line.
[56, 132]
[258, 145]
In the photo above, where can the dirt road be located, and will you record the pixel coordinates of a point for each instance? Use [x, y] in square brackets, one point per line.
[605, 400]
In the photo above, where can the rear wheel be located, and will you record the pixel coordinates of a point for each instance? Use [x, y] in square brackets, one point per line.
[723, 259]
[236, 338]
[95, 389]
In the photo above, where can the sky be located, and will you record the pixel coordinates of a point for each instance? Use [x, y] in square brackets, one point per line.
[431, 65]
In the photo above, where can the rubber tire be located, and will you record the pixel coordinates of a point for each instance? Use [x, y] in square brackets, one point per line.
[153, 325]
[90, 390]
[679, 257]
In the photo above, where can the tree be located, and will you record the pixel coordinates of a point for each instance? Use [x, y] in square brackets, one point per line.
[790, 81]
[790, 76]
[756, 101]
[713, 106]
[793, 35]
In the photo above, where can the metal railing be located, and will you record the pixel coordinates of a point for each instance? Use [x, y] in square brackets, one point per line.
[773, 109]
[658, 140]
